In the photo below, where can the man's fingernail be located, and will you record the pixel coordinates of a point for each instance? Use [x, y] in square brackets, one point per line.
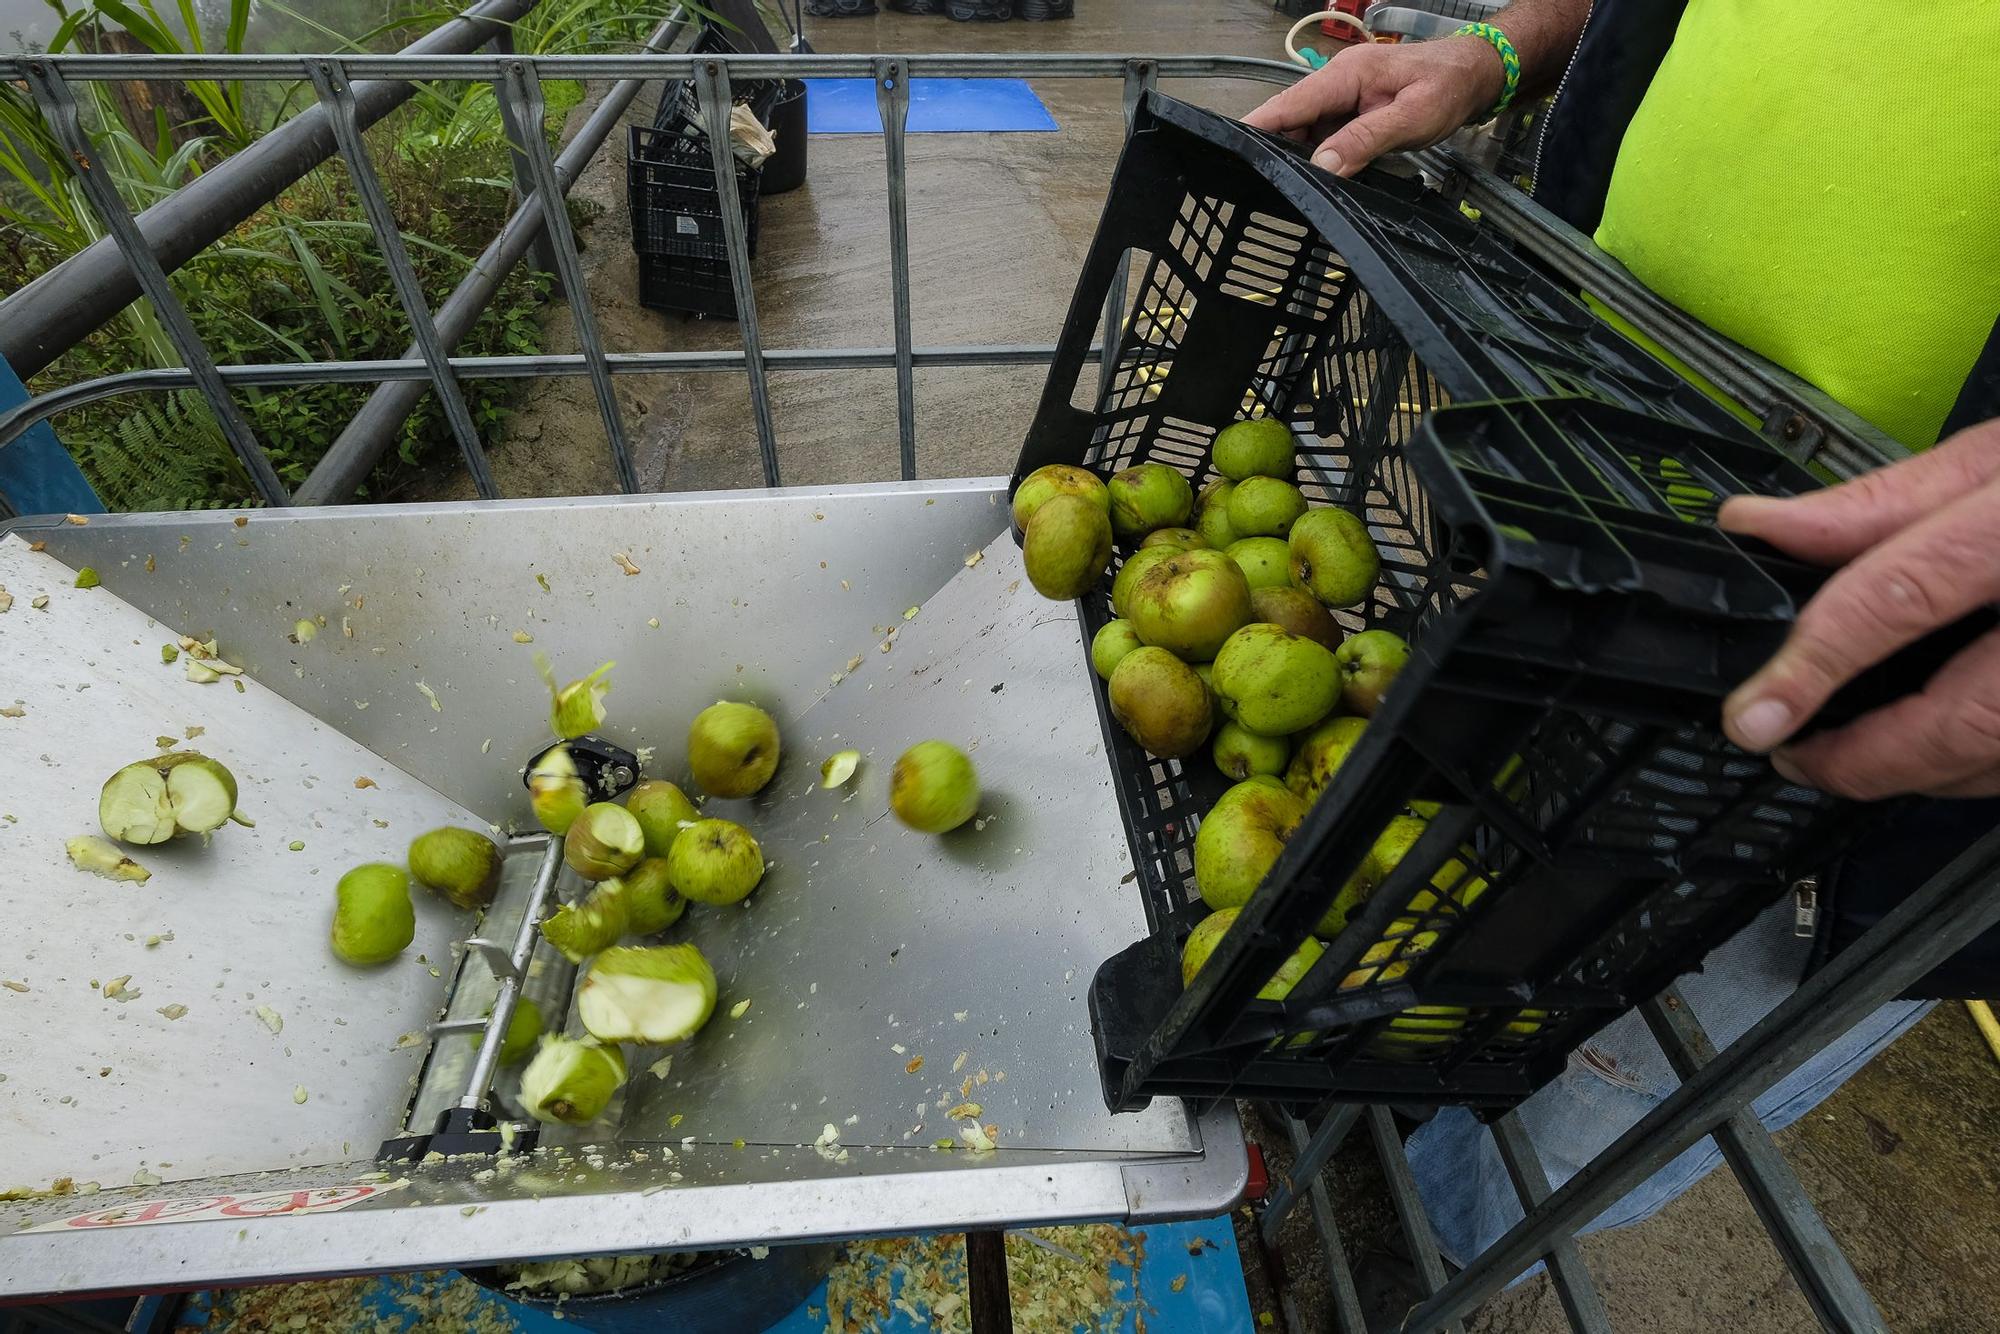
[1327, 160]
[1781, 760]
[1763, 724]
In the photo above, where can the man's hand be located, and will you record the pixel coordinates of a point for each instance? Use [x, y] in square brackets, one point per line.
[1919, 547]
[1374, 98]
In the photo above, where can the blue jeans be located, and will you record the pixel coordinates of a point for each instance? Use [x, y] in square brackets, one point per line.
[1619, 1076]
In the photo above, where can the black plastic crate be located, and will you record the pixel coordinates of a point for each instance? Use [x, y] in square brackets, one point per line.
[670, 187]
[917, 6]
[840, 9]
[979, 11]
[1036, 11]
[1570, 605]
[693, 284]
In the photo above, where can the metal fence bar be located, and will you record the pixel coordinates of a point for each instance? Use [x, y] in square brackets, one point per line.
[892, 102]
[1409, 1209]
[413, 374]
[524, 89]
[1567, 1272]
[58, 106]
[336, 93]
[1312, 1159]
[367, 436]
[1835, 1292]
[679, 66]
[711, 84]
[1347, 1317]
[59, 309]
[1950, 909]
[1139, 76]
[517, 164]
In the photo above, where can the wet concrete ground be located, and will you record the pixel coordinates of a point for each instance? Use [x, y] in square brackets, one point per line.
[1904, 1161]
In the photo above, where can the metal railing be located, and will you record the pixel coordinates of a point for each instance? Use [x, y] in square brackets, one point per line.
[1717, 1089]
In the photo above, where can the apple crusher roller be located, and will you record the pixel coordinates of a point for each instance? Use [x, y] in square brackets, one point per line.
[250, 1135]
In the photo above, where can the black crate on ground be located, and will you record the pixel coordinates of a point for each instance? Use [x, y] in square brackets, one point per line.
[691, 284]
[670, 188]
[1040, 10]
[980, 11]
[917, 6]
[1570, 604]
[840, 9]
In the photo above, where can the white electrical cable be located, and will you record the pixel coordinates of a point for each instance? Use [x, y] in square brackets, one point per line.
[1322, 16]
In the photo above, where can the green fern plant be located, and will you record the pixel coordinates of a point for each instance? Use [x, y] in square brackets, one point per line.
[165, 454]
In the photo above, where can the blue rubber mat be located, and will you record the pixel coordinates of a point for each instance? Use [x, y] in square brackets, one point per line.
[937, 106]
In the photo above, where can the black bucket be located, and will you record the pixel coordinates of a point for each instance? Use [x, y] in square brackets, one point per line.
[726, 1292]
[786, 169]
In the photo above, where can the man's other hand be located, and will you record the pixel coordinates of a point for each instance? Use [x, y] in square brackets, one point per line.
[1377, 97]
[1918, 544]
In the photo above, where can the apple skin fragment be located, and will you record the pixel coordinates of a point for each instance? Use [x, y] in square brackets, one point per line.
[101, 857]
[838, 768]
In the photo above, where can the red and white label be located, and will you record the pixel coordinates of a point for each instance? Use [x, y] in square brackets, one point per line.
[199, 1208]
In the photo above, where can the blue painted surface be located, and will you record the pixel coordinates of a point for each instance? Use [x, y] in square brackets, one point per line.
[937, 106]
[37, 475]
[1212, 1301]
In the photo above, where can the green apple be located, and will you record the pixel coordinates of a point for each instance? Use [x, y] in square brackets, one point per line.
[732, 749]
[373, 918]
[1261, 448]
[1173, 537]
[1318, 755]
[1189, 603]
[1057, 479]
[1240, 838]
[1279, 682]
[655, 995]
[1395, 839]
[1208, 933]
[1140, 561]
[604, 842]
[1265, 507]
[461, 864]
[1161, 702]
[1240, 752]
[571, 1080]
[661, 809]
[1296, 610]
[524, 1030]
[934, 787]
[1148, 496]
[1113, 640]
[1333, 558]
[1266, 562]
[1211, 514]
[1066, 547]
[715, 861]
[651, 903]
[1368, 663]
[1206, 671]
[555, 792]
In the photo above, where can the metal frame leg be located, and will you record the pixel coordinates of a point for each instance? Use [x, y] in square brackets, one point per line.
[1347, 1316]
[892, 101]
[1567, 1272]
[1835, 1292]
[711, 83]
[524, 89]
[336, 93]
[1954, 906]
[517, 161]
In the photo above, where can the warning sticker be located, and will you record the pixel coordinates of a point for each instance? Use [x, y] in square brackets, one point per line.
[193, 1208]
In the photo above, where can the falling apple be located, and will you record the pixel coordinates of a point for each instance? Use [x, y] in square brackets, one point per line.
[1066, 547]
[732, 749]
[934, 787]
